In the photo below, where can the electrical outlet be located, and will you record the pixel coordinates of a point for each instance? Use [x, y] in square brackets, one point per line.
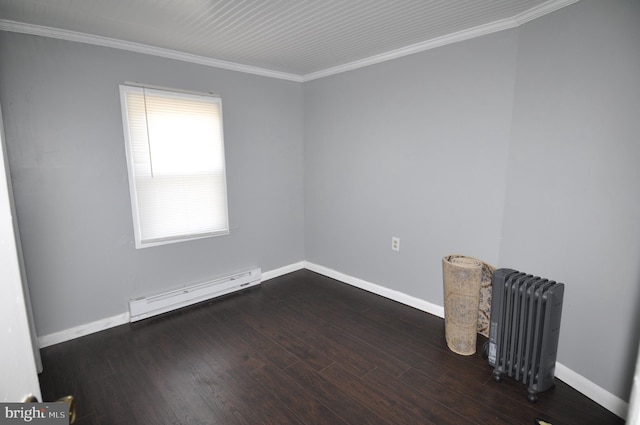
[395, 243]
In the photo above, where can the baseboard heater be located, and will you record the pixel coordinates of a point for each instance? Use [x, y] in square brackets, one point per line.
[145, 307]
[525, 328]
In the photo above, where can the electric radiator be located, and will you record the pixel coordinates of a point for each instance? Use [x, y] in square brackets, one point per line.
[524, 330]
[144, 307]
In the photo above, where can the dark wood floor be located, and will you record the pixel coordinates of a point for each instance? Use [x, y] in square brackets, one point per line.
[299, 349]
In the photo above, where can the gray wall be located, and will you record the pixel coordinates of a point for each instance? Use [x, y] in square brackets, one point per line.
[66, 153]
[414, 148]
[572, 210]
[520, 148]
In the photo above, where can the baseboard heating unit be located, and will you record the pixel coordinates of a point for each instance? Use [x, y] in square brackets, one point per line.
[145, 307]
[525, 328]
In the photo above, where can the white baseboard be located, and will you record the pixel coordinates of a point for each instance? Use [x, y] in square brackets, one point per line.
[596, 393]
[82, 330]
[271, 274]
[568, 376]
[401, 297]
[123, 318]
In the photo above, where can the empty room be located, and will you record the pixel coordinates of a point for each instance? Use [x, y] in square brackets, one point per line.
[238, 212]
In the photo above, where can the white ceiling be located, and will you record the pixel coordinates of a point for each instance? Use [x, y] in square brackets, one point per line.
[291, 39]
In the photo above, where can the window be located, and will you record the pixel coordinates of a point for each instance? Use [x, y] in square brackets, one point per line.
[175, 157]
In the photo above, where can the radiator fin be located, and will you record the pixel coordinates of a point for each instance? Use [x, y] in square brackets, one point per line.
[525, 328]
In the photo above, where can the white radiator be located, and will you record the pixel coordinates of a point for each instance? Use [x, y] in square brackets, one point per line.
[144, 307]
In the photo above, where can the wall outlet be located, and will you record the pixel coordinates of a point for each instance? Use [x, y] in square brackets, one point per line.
[395, 243]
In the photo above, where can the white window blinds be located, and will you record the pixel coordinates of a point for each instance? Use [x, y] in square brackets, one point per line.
[175, 154]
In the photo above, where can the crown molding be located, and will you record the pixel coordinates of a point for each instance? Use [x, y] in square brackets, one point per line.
[19, 27]
[504, 24]
[416, 48]
[541, 10]
[492, 27]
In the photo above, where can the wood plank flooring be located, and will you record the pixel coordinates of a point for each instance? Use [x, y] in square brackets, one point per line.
[298, 349]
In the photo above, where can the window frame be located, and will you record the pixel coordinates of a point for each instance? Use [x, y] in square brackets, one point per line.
[140, 243]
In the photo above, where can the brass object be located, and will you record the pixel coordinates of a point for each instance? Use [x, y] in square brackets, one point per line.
[72, 407]
[68, 399]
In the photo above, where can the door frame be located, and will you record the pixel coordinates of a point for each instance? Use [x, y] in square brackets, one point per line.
[18, 364]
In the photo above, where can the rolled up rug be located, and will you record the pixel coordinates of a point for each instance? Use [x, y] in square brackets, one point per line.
[466, 280]
[484, 307]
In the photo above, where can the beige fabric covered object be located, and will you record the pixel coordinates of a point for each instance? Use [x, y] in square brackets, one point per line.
[467, 301]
